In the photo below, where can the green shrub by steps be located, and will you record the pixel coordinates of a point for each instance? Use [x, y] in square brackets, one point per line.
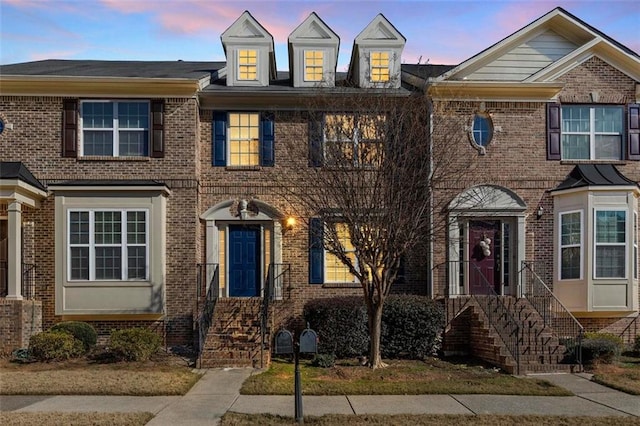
[323, 361]
[134, 344]
[600, 347]
[80, 330]
[411, 326]
[54, 346]
[636, 346]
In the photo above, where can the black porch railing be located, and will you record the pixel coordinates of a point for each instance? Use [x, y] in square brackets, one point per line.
[277, 283]
[630, 332]
[496, 310]
[27, 280]
[207, 293]
[555, 315]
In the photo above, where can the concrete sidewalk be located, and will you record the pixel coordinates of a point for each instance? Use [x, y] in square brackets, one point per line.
[218, 392]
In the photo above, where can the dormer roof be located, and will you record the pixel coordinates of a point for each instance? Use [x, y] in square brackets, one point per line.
[379, 34]
[246, 32]
[312, 33]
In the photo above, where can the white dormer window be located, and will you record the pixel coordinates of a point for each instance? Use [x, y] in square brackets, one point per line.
[313, 65]
[379, 67]
[247, 65]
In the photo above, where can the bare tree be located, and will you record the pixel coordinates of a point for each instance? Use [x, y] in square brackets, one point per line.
[368, 173]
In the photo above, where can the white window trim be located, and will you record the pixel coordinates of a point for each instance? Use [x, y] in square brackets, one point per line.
[256, 65]
[391, 66]
[592, 131]
[636, 265]
[625, 210]
[115, 125]
[92, 245]
[304, 65]
[561, 246]
[229, 139]
[327, 252]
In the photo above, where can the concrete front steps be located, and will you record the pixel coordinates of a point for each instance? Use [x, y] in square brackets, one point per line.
[234, 338]
[469, 330]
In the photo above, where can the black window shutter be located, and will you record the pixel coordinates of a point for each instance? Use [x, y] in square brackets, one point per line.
[267, 130]
[633, 132]
[219, 139]
[70, 128]
[554, 151]
[157, 130]
[316, 251]
[316, 127]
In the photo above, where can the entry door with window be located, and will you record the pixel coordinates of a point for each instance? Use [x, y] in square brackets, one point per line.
[484, 257]
[244, 260]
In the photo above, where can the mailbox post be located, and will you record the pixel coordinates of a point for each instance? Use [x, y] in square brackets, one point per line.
[284, 345]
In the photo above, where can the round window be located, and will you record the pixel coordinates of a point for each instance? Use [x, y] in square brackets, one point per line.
[482, 129]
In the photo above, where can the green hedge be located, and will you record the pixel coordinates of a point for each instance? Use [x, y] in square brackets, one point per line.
[600, 347]
[54, 346]
[134, 344]
[411, 326]
[80, 330]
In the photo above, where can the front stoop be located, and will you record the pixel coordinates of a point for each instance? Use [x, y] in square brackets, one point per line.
[469, 330]
[235, 339]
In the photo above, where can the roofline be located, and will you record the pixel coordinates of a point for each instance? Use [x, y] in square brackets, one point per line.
[591, 188]
[95, 186]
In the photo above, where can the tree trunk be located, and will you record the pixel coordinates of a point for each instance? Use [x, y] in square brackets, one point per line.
[375, 330]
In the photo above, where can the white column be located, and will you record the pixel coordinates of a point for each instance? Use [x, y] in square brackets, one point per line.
[14, 258]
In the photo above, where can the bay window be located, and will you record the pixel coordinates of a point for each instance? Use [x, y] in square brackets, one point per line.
[570, 245]
[610, 241]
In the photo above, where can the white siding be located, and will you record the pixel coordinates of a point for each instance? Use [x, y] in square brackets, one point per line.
[526, 59]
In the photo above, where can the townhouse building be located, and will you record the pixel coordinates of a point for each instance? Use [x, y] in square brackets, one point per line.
[146, 193]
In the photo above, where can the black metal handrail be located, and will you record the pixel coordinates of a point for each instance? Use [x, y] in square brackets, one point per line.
[207, 294]
[555, 315]
[498, 313]
[277, 281]
[28, 281]
[630, 332]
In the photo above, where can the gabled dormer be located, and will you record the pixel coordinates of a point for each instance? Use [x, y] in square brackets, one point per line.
[313, 53]
[375, 59]
[250, 54]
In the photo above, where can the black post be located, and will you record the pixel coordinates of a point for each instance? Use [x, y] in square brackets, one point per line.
[298, 390]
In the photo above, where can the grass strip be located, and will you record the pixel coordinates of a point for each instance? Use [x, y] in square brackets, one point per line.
[76, 419]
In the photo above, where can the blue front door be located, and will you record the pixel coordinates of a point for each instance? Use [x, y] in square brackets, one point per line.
[244, 260]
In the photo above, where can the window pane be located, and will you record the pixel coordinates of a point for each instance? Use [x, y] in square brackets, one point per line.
[108, 228]
[98, 142]
[137, 263]
[608, 120]
[133, 143]
[570, 263]
[133, 115]
[79, 263]
[108, 263]
[97, 115]
[575, 147]
[482, 130]
[610, 226]
[610, 262]
[136, 228]
[570, 229]
[608, 147]
[79, 228]
[244, 143]
[575, 119]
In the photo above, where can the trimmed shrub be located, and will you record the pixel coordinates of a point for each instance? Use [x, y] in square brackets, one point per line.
[54, 346]
[411, 327]
[80, 330]
[600, 347]
[134, 344]
[341, 324]
[636, 346]
[323, 361]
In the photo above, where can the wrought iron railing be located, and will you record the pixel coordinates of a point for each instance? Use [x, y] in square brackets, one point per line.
[28, 281]
[555, 315]
[277, 283]
[207, 293]
[630, 332]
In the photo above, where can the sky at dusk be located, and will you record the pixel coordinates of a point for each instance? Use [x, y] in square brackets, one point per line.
[440, 32]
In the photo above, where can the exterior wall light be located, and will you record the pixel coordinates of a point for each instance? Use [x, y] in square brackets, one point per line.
[290, 223]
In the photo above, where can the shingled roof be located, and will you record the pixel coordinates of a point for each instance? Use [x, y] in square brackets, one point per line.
[17, 170]
[594, 175]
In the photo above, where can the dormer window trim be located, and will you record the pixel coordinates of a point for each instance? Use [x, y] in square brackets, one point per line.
[377, 66]
[315, 65]
[247, 60]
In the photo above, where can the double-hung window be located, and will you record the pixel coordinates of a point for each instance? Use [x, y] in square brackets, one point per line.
[380, 64]
[244, 139]
[610, 243]
[353, 140]
[335, 269]
[592, 132]
[571, 245]
[313, 65]
[115, 128]
[108, 245]
[247, 64]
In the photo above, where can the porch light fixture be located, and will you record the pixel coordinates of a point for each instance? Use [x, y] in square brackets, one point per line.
[539, 212]
[290, 223]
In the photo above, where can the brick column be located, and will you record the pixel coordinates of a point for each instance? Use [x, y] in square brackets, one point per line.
[14, 258]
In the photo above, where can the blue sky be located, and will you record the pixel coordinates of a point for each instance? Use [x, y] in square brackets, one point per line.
[440, 32]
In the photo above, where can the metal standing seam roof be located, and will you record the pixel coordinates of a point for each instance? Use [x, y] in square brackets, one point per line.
[17, 170]
[594, 175]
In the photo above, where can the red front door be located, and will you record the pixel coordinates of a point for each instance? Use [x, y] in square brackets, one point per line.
[484, 270]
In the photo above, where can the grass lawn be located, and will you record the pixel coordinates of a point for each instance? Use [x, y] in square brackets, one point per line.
[623, 374]
[163, 375]
[236, 419]
[76, 419]
[432, 376]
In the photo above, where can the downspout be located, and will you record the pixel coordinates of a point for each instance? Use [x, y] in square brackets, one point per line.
[431, 245]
